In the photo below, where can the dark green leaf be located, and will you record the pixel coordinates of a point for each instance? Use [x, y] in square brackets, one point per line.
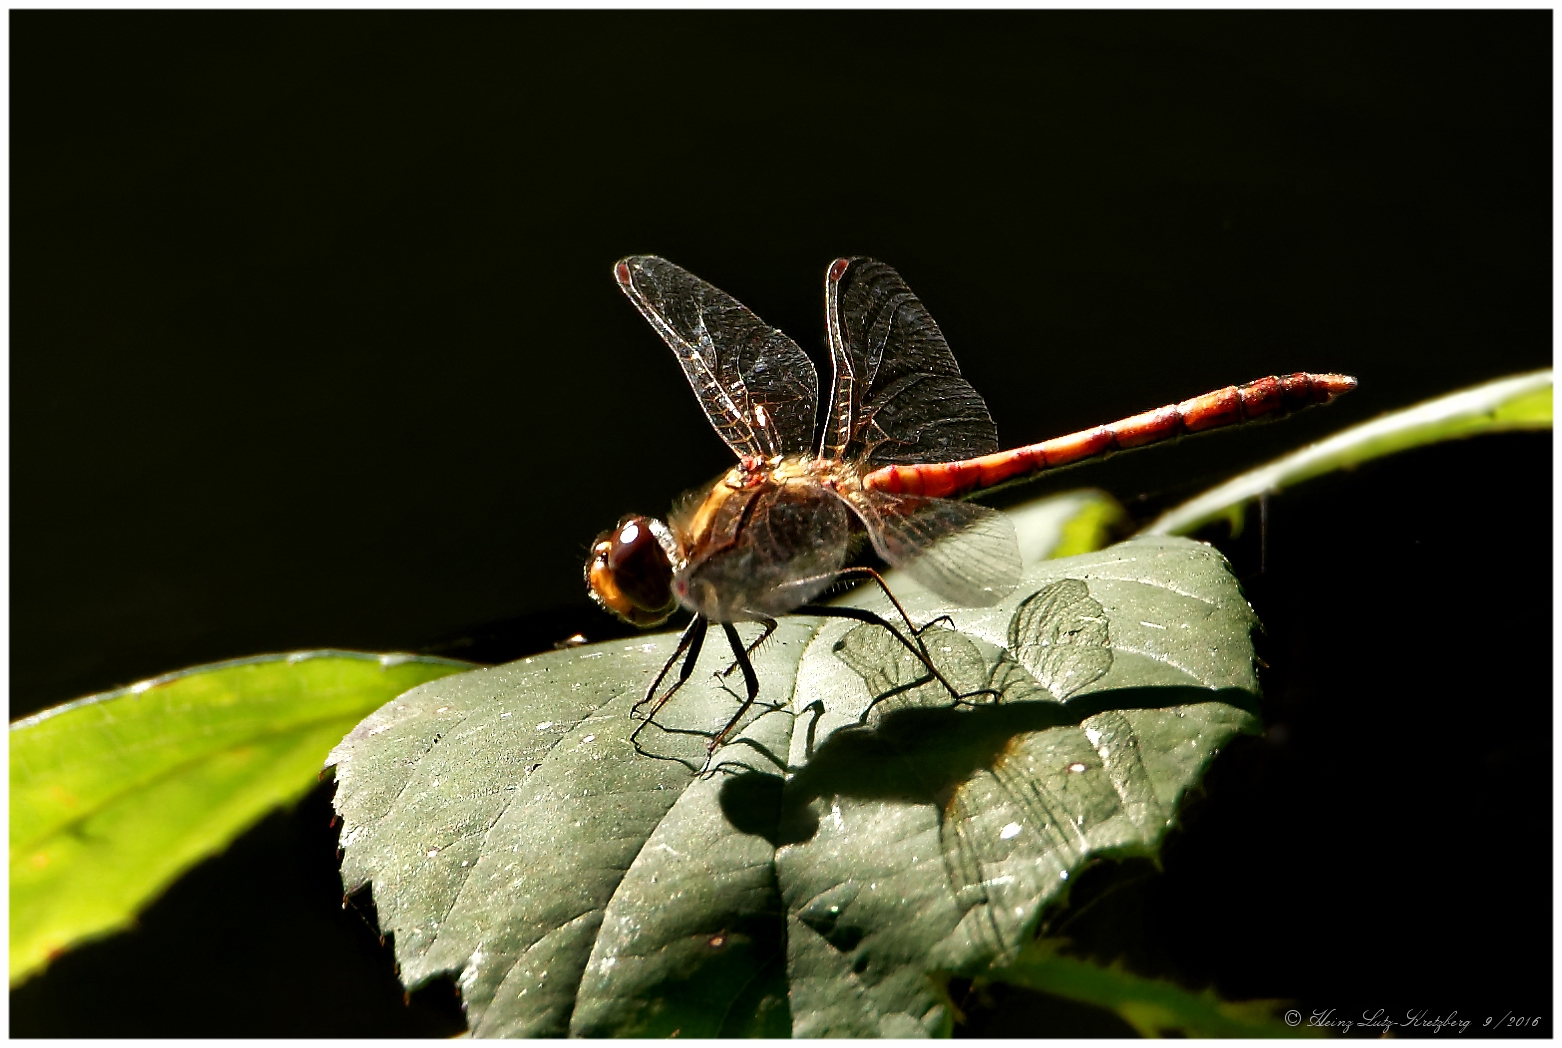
[860, 835]
[1153, 1007]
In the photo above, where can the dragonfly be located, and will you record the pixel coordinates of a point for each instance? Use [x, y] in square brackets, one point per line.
[905, 437]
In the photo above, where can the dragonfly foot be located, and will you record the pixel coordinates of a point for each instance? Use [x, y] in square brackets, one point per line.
[965, 700]
[948, 624]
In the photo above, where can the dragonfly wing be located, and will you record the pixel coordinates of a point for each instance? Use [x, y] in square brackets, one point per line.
[897, 393]
[962, 551]
[758, 388]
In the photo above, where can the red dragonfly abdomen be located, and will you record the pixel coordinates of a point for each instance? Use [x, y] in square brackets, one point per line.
[1224, 407]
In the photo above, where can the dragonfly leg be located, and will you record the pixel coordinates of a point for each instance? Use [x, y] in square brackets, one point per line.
[750, 679]
[920, 651]
[913, 629]
[689, 649]
[770, 627]
[887, 594]
[832, 611]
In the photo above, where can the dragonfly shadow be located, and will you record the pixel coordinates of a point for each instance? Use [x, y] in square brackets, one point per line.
[916, 743]
[669, 743]
[922, 755]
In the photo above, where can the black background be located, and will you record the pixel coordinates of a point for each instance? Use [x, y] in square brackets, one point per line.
[314, 343]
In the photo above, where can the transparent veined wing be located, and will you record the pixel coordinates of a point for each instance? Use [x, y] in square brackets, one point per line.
[758, 388]
[897, 396]
[964, 552]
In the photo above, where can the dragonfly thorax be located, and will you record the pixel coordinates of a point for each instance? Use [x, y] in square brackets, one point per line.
[764, 538]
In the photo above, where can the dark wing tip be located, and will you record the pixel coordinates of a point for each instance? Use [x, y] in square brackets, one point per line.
[838, 269]
[623, 270]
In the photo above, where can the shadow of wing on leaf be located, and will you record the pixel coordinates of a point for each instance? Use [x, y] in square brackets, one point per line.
[1059, 633]
[1025, 786]
[898, 680]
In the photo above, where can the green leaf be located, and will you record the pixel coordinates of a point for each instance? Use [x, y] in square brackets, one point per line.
[1066, 524]
[115, 795]
[1153, 1007]
[1517, 403]
[860, 835]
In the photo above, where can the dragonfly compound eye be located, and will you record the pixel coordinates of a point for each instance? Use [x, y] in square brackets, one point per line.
[629, 573]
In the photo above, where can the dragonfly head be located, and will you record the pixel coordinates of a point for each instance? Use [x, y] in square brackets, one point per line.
[630, 571]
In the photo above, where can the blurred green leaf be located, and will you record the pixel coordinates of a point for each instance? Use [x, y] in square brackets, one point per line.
[860, 834]
[1062, 525]
[115, 795]
[1517, 403]
[1153, 1007]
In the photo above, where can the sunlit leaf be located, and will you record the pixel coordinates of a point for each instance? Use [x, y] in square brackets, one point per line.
[860, 835]
[1522, 402]
[1066, 524]
[113, 796]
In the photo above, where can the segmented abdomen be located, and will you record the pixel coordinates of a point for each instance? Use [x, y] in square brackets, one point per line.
[1230, 406]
